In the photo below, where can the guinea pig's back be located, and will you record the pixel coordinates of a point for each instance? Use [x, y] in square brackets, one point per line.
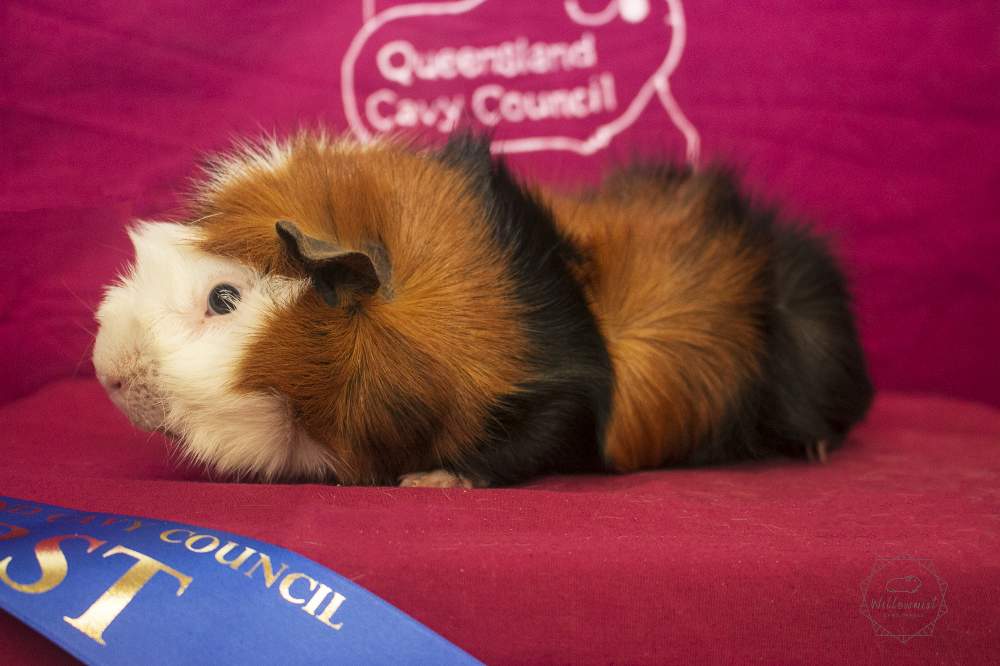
[710, 313]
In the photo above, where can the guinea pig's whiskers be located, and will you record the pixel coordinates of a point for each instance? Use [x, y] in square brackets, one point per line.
[205, 217]
[88, 308]
[119, 250]
[91, 334]
[86, 352]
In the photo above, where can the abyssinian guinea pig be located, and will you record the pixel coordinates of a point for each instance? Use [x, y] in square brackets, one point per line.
[386, 314]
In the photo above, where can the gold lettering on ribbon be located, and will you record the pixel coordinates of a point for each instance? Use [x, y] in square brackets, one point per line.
[321, 593]
[286, 585]
[317, 599]
[236, 562]
[166, 534]
[265, 564]
[213, 543]
[94, 621]
[109, 605]
[51, 561]
[330, 609]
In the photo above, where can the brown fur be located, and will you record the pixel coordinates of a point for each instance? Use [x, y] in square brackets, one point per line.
[676, 272]
[679, 307]
[428, 353]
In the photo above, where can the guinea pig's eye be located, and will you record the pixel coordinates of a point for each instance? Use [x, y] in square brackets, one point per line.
[223, 298]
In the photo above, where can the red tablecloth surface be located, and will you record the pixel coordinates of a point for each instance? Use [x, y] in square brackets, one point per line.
[761, 562]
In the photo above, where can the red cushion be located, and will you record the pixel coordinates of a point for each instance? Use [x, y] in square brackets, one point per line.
[761, 562]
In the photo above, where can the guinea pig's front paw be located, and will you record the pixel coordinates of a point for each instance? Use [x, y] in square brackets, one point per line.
[438, 478]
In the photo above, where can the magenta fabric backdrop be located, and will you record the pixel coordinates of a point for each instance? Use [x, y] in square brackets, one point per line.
[880, 121]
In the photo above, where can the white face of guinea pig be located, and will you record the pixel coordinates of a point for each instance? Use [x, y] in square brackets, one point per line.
[172, 332]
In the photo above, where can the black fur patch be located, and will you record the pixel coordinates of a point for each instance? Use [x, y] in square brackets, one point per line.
[815, 384]
[558, 419]
[817, 381]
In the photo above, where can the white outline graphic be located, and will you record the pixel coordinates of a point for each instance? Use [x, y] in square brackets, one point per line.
[631, 10]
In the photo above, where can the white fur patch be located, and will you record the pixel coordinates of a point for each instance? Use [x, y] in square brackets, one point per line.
[246, 160]
[178, 362]
[269, 155]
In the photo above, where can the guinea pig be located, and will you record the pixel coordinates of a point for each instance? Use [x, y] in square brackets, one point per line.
[392, 314]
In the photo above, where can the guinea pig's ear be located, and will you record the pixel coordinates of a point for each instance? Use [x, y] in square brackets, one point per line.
[339, 275]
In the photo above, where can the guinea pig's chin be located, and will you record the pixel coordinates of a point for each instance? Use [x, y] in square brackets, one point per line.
[145, 420]
[143, 408]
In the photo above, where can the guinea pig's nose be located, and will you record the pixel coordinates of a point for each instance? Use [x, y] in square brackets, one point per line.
[111, 383]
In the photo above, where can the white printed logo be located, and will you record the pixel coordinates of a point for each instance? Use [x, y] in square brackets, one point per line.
[534, 93]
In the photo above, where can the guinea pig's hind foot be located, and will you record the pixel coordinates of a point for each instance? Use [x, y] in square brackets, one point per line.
[818, 453]
[438, 478]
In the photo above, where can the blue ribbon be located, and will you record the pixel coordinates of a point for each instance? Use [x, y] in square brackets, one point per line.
[116, 589]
